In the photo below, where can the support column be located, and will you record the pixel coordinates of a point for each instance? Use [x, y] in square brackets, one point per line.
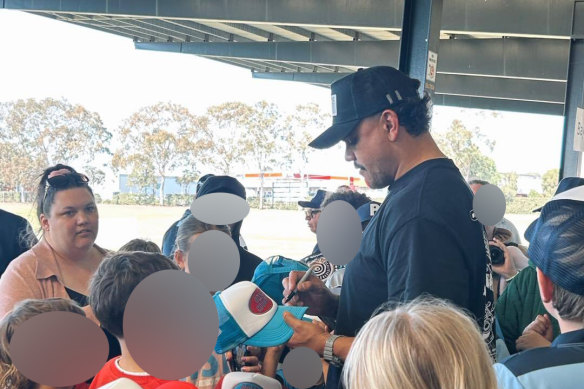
[420, 40]
[571, 162]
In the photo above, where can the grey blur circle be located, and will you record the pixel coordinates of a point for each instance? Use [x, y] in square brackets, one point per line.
[214, 259]
[489, 204]
[302, 367]
[170, 324]
[338, 232]
[219, 208]
[58, 348]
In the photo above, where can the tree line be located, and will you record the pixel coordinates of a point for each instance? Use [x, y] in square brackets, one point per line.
[153, 143]
[167, 139]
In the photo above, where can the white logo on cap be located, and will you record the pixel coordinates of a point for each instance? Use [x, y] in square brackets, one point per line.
[334, 102]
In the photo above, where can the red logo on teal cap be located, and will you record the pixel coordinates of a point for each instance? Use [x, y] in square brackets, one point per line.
[259, 303]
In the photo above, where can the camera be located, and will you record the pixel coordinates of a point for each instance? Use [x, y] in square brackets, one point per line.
[497, 255]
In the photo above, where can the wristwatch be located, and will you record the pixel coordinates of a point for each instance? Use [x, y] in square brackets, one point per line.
[328, 354]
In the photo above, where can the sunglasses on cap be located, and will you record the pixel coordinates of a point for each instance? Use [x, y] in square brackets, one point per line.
[66, 180]
[310, 213]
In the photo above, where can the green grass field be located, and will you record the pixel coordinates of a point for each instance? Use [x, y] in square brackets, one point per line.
[266, 232]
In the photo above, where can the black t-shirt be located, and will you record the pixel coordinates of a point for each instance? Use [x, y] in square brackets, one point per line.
[114, 346]
[423, 239]
[247, 265]
[12, 243]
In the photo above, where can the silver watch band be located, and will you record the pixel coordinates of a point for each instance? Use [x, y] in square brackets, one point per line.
[328, 353]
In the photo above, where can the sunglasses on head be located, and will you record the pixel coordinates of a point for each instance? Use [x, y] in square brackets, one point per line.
[67, 180]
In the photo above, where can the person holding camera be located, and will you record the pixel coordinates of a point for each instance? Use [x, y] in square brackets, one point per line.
[507, 259]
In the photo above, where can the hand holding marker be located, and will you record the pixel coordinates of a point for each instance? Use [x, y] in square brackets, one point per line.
[295, 291]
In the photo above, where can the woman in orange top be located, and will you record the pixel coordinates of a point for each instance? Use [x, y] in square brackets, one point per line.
[62, 262]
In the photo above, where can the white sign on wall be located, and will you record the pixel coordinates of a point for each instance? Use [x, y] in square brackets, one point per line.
[579, 130]
[432, 64]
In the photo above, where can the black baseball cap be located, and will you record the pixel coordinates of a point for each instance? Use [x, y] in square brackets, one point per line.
[362, 94]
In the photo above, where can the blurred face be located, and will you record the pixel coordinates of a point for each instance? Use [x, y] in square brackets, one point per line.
[475, 187]
[311, 216]
[370, 150]
[181, 257]
[73, 221]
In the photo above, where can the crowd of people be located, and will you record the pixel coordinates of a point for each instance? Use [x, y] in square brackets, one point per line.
[432, 299]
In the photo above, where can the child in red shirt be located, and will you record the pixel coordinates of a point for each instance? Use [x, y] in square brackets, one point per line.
[110, 289]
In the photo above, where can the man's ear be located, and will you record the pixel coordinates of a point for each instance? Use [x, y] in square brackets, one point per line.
[180, 258]
[546, 287]
[390, 122]
[44, 222]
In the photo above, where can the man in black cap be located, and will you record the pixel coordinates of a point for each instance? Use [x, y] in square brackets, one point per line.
[312, 213]
[424, 237]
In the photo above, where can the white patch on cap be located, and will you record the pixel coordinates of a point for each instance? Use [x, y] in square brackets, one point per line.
[236, 300]
[334, 104]
[389, 98]
[398, 95]
[576, 193]
[373, 208]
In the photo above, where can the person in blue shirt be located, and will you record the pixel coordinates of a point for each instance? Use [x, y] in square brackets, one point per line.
[557, 250]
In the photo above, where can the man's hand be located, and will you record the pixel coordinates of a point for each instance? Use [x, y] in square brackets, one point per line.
[541, 325]
[312, 293]
[531, 339]
[306, 334]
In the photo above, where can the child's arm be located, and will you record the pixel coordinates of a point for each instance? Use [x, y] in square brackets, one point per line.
[270, 363]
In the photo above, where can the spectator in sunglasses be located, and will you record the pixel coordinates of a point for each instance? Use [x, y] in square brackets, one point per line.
[66, 256]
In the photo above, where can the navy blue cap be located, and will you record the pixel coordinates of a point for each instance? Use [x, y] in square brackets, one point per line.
[566, 184]
[556, 245]
[316, 201]
[366, 211]
[362, 94]
[202, 181]
[222, 184]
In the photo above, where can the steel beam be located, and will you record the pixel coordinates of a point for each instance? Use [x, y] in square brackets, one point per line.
[420, 38]
[328, 13]
[501, 88]
[510, 57]
[514, 57]
[309, 77]
[517, 17]
[353, 53]
[461, 86]
[498, 104]
[571, 161]
[508, 17]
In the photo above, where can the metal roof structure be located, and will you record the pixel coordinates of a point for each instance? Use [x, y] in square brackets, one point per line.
[493, 54]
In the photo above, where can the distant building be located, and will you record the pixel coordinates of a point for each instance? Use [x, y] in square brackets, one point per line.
[171, 186]
[289, 188]
[527, 183]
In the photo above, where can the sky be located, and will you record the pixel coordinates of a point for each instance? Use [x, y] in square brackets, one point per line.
[42, 57]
